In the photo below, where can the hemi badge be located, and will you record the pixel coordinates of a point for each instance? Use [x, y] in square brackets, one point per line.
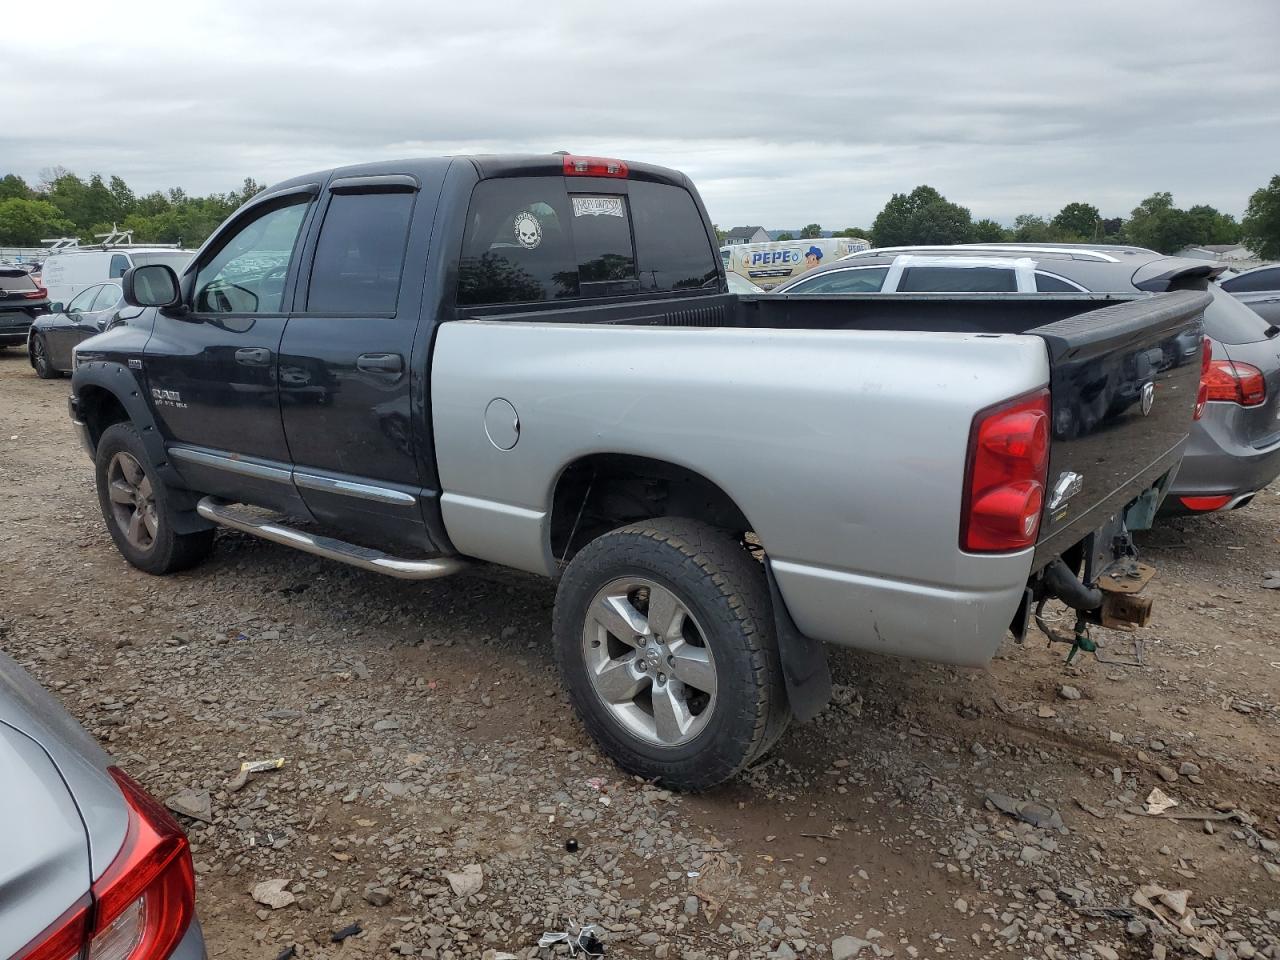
[135, 364]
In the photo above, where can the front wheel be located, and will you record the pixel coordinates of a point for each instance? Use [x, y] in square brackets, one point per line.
[664, 635]
[40, 360]
[137, 508]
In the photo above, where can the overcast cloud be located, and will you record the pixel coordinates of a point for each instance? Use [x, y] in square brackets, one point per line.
[783, 113]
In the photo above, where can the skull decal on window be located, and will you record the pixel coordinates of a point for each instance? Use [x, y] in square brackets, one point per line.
[528, 230]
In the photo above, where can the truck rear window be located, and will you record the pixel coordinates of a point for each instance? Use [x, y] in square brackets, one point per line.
[527, 240]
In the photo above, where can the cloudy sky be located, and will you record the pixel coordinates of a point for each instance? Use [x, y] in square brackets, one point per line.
[783, 113]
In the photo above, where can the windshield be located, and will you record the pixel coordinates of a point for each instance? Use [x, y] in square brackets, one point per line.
[16, 280]
[1227, 320]
[178, 259]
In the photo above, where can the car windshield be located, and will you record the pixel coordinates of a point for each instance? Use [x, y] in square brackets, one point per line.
[1227, 320]
[740, 284]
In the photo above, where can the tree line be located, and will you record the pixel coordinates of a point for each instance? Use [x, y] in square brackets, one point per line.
[64, 205]
[925, 216]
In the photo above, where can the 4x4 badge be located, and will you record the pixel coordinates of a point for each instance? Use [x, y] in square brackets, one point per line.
[135, 364]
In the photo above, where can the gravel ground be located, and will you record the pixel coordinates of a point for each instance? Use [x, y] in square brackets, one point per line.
[437, 791]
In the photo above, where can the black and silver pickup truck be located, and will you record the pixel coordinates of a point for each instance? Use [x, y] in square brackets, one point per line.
[534, 361]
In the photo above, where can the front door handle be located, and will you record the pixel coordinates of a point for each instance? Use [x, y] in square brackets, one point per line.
[380, 362]
[253, 356]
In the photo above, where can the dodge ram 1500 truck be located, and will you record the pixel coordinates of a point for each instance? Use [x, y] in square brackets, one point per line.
[533, 361]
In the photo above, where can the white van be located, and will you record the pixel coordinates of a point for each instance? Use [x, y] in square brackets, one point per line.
[769, 264]
[68, 271]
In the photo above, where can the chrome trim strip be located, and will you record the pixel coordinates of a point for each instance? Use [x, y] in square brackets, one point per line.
[226, 515]
[365, 491]
[309, 481]
[247, 468]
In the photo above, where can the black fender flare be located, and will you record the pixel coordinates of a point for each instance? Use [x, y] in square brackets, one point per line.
[123, 384]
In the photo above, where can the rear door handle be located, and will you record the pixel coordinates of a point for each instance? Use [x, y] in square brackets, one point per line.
[253, 356]
[380, 362]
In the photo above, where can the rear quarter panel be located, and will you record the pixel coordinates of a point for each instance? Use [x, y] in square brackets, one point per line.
[844, 449]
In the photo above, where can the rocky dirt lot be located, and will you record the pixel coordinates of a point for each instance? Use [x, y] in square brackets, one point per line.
[437, 791]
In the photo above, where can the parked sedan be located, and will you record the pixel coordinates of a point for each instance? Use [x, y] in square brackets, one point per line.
[53, 338]
[1258, 289]
[1234, 450]
[90, 864]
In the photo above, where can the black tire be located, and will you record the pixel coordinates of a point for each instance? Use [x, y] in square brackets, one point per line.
[40, 360]
[167, 551]
[724, 589]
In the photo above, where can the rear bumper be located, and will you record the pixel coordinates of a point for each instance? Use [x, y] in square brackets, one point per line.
[14, 336]
[963, 626]
[1218, 465]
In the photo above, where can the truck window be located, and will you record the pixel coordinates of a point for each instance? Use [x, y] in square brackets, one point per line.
[957, 280]
[1048, 283]
[516, 246]
[673, 249]
[602, 245]
[360, 253]
[246, 274]
[119, 264]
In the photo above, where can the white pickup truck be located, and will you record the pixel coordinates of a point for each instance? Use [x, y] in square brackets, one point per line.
[533, 361]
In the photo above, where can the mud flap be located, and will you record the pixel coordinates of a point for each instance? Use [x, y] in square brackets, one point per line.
[804, 660]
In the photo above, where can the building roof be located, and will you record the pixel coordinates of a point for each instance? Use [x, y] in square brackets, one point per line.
[742, 233]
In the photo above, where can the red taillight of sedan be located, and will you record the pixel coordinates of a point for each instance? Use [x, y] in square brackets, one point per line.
[39, 293]
[142, 904]
[1230, 381]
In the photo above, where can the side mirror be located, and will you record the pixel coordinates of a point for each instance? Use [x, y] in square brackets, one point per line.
[151, 285]
[57, 306]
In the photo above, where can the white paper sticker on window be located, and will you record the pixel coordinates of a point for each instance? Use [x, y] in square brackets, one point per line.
[598, 207]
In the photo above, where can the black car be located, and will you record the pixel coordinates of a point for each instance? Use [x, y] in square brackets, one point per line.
[21, 301]
[53, 337]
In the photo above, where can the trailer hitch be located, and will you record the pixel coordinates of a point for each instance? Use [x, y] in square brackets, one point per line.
[1111, 602]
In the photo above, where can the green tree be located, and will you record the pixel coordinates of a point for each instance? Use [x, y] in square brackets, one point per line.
[987, 230]
[1080, 221]
[1260, 228]
[811, 231]
[857, 233]
[785, 236]
[921, 216]
[24, 223]
[1157, 224]
[1030, 228]
[13, 187]
[1213, 226]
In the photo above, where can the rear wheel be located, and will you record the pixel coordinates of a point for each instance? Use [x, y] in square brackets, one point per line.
[137, 508]
[664, 635]
[40, 359]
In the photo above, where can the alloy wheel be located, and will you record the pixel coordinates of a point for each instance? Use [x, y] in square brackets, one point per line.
[648, 662]
[133, 502]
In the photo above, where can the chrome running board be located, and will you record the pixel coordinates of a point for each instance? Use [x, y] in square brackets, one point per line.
[227, 515]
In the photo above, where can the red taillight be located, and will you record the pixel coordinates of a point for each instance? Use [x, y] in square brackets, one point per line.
[1205, 503]
[1202, 395]
[39, 293]
[1234, 382]
[1004, 483]
[142, 904]
[145, 900]
[62, 939]
[593, 167]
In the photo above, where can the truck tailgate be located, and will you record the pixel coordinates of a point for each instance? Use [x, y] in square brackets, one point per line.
[1123, 381]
